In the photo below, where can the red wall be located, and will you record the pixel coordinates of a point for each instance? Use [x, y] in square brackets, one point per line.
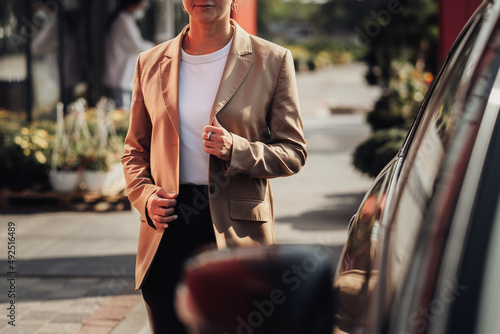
[453, 14]
[247, 15]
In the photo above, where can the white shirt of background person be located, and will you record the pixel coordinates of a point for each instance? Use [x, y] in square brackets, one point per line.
[122, 46]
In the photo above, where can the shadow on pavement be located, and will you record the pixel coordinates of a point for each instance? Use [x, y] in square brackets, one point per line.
[335, 216]
[72, 277]
[89, 266]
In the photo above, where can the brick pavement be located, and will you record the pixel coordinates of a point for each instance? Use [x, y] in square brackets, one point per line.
[74, 305]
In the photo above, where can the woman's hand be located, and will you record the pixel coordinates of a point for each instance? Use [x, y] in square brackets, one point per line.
[218, 141]
[160, 208]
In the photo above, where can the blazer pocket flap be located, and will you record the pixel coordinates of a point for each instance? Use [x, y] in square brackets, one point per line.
[248, 209]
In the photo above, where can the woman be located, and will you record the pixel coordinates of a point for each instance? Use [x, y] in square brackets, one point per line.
[214, 115]
[122, 45]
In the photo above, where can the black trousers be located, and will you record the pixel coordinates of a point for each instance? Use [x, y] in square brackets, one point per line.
[192, 230]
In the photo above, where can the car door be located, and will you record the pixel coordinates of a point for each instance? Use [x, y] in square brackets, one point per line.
[382, 237]
[419, 291]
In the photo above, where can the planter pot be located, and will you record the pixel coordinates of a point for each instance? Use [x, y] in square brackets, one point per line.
[64, 181]
[115, 182]
[94, 180]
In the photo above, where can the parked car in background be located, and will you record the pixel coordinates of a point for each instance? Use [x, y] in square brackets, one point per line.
[423, 250]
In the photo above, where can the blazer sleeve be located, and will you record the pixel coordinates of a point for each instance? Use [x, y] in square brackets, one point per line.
[285, 153]
[136, 157]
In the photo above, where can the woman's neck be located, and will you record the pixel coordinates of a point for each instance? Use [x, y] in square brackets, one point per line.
[202, 40]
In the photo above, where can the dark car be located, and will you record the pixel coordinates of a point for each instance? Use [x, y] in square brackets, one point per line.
[423, 250]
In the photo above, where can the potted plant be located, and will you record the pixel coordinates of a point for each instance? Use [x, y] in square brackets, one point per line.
[102, 149]
[95, 171]
[65, 174]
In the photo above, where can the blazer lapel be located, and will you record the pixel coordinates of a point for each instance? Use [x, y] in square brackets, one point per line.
[236, 69]
[169, 79]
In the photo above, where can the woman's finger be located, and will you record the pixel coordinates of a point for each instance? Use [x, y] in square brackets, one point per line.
[211, 128]
[211, 144]
[217, 141]
[211, 150]
[164, 219]
[165, 203]
[208, 136]
[160, 226]
[217, 152]
[163, 212]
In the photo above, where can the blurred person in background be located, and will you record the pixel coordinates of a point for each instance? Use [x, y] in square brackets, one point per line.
[123, 43]
[214, 115]
[46, 43]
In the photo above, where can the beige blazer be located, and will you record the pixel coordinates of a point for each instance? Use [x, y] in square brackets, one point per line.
[256, 102]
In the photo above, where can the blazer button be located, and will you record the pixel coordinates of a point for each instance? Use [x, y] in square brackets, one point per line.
[212, 188]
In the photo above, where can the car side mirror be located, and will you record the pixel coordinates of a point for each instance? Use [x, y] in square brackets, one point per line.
[265, 290]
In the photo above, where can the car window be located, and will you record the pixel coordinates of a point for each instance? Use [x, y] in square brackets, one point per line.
[357, 272]
[478, 260]
[441, 240]
[426, 155]
[457, 135]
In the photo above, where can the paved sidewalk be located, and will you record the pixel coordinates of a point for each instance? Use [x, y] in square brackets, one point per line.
[73, 272]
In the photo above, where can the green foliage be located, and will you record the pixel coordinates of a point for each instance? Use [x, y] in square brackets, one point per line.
[92, 153]
[373, 154]
[20, 171]
[400, 102]
[320, 53]
[330, 28]
[279, 11]
[391, 117]
[340, 17]
[26, 149]
[22, 152]
[410, 35]
[383, 116]
[402, 54]
[331, 18]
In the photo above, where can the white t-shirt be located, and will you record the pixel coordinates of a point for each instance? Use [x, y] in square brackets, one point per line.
[199, 81]
[122, 46]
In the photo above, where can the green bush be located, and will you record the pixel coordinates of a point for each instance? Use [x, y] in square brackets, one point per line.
[23, 152]
[400, 102]
[411, 35]
[384, 116]
[401, 59]
[373, 154]
[321, 53]
[20, 171]
[391, 117]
